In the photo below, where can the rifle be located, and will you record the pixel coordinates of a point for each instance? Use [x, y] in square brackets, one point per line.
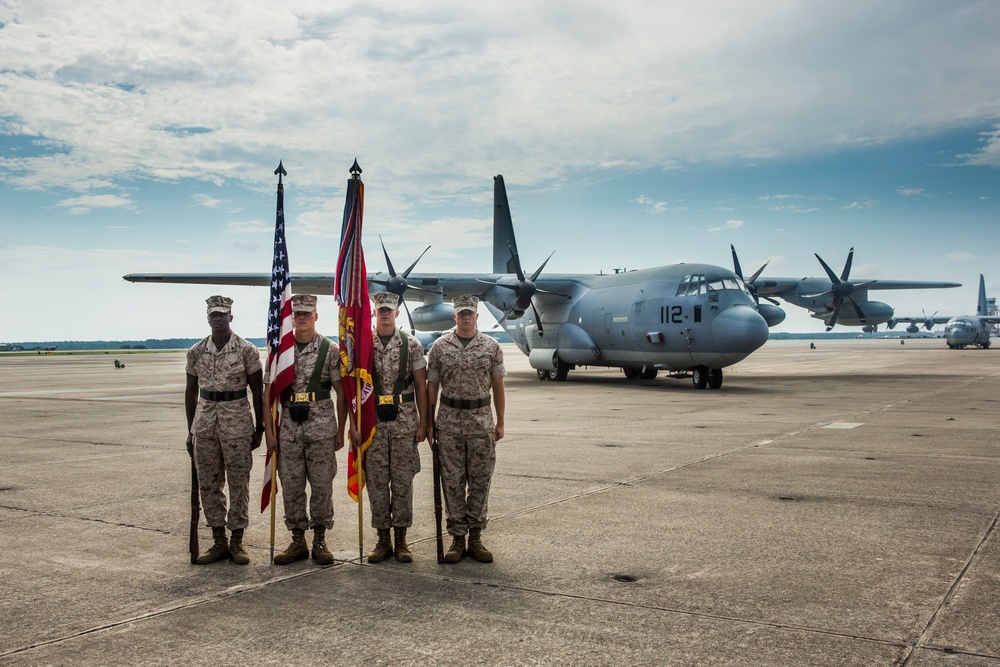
[195, 513]
[436, 457]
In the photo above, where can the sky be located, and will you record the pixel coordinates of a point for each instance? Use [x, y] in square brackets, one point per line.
[143, 137]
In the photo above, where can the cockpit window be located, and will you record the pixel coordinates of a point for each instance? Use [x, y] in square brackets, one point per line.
[697, 283]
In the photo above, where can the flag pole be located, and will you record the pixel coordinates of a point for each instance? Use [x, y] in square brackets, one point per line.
[274, 473]
[361, 471]
[356, 175]
[281, 350]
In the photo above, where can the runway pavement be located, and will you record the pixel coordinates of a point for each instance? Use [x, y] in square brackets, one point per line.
[835, 506]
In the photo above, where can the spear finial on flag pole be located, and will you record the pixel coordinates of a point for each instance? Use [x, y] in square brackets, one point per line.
[280, 171]
[355, 170]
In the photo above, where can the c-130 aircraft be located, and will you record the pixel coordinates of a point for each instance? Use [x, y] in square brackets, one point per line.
[690, 320]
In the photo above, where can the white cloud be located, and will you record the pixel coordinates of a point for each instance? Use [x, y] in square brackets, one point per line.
[250, 227]
[428, 93]
[87, 203]
[792, 208]
[206, 200]
[960, 256]
[903, 191]
[728, 226]
[652, 205]
[859, 205]
[989, 154]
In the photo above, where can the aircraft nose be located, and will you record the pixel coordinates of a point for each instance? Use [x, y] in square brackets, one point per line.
[739, 329]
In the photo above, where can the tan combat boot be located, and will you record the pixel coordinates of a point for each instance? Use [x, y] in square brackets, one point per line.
[403, 554]
[456, 550]
[219, 550]
[320, 553]
[236, 550]
[476, 548]
[383, 549]
[297, 550]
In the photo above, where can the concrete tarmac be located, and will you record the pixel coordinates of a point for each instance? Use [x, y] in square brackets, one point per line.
[835, 506]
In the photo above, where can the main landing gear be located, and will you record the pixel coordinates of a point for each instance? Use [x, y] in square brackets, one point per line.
[702, 377]
[558, 375]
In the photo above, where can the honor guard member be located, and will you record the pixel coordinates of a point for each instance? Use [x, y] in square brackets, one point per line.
[465, 366]
[309, 435]
[221, 431]
[392, 460]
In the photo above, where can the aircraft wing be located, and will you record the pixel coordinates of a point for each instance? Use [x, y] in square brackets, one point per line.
[935, 319]
[302, 283]
[777, 286]
[428, 286]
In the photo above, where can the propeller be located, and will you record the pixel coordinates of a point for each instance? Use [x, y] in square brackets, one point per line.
[524, 289]
[397, 283]
[841, 288]
[928, 321]
[749, 283]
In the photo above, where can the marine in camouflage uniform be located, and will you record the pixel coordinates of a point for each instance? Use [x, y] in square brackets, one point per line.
[465, 366]
[392, 459]
[221, 431]
[307, 449]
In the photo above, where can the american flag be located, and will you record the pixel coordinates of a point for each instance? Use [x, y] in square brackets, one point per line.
[280, 344]
[357, 354]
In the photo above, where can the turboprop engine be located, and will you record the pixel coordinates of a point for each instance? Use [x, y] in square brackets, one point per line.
[434, 317]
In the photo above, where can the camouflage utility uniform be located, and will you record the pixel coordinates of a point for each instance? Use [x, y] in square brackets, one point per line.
[392, 459]
[466, 435]
[306, 450]
[223, 429]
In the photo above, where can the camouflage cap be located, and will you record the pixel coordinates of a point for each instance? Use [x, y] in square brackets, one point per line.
[386, 300]
[219, 304]
[465, 302]
[304, 303]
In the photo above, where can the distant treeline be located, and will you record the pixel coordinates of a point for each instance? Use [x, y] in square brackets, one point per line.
[148, 344]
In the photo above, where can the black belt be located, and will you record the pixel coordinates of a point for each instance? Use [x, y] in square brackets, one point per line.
[464, 403]
[306, 396]
[397, 399]
[222, 395]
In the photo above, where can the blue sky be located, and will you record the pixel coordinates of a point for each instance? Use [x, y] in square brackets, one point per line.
[143, 139]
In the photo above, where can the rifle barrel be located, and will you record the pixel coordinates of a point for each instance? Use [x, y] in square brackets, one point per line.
[195, 513]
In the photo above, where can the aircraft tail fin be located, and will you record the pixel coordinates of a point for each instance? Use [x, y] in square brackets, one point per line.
[981, 309]
[504, 245]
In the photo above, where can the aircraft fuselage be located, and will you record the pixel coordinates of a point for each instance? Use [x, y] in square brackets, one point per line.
[672, 318]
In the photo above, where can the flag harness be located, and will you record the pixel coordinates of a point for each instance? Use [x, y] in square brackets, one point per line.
[298, 406]
[387, 407]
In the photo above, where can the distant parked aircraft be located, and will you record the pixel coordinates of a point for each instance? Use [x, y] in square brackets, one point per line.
[959, 330]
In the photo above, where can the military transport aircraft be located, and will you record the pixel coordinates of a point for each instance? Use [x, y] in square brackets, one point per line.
[824, 297]
[959, 330]
[690, 320]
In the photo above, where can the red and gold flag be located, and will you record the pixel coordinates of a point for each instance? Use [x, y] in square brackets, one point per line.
[355, 331]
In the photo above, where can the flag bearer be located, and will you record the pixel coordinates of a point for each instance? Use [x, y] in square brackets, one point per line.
[309, 436]
[392, 460]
